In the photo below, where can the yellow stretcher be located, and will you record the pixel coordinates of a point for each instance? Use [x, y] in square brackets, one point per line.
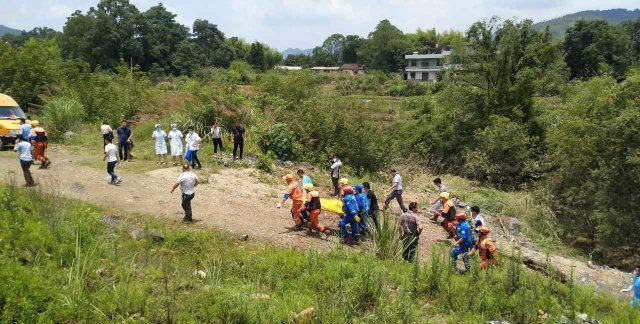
[331, 205]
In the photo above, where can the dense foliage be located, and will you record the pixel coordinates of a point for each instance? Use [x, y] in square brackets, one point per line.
[63, 262]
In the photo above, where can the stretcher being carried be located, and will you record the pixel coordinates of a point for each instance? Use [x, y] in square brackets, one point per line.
[331, 205]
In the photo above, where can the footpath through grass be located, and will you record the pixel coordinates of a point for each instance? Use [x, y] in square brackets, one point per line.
[60, 261]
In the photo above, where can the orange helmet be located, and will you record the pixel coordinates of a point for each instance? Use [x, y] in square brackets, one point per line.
[347, 189]
[483, 230]
[461, 215]
[288, 177]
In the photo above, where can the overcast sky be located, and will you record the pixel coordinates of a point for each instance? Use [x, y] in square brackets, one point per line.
[306, 23]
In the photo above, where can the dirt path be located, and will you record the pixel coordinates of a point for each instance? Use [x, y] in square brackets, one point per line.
[234, 200]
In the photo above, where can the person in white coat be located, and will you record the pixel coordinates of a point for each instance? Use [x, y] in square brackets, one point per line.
[161, 144]
[175, 139]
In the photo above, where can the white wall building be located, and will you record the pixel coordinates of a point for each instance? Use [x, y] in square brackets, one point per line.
[425, 67]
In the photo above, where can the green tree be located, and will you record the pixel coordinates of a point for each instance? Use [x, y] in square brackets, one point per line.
[385, 48]
[213, 44]
[297, 60]
[352, 44]
[161, 36]
[256, 56]
[27, 72]
[188, 58]
[594, 47]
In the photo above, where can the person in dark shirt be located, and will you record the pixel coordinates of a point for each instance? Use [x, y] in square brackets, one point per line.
[374, 209]
[238, 140]
[124, 140]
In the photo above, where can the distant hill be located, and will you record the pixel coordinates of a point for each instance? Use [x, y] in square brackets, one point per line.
[295, 51]
[7, 30]
[558, 26]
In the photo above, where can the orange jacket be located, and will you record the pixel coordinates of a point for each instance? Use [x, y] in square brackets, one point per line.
[294, 191]
[487, 248]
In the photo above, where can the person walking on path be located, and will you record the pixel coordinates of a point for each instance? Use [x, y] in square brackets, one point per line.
[25, 129]
[40, 141]
[175, 140]
[410, 230]
[193, 145]
[124, 140]
[23, 147]
[107, 132]
[112, 158]
[336, 164]
[374, 209]
[216, 136]
[395, 191]
[161, 144]
[238, 140]
[187, 182]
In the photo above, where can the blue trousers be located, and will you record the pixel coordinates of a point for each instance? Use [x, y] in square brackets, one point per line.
[349, 219]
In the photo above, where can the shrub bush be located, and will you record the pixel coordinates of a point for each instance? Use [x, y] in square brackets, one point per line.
[280, 141]
[63, 114]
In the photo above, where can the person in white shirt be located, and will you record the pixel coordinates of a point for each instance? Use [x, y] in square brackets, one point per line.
[112, 158]
[193, 145]
[216, 135]
[161, 144]
[395, 191]
[336, 164]
[187, 182]
[107, 132]
[175, 139]
[23, 147]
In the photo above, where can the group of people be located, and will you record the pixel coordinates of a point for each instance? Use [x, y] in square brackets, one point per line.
[360, 209]
[113, 154]
[31, 144]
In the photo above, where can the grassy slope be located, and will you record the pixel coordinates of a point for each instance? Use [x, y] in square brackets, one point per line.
[61, 263]
[558, 26]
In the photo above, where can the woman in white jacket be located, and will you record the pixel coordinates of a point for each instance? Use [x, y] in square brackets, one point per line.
[175, 139]
[161, 144]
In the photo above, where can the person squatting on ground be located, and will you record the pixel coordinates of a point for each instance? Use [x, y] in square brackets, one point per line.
[364, 206]
[107, 133]
[374, 209]
[216, 137]
[238, 140]
[313, 207]
[464, 241]
[112, 158]
[175, 140]
[295, 193]
[40, 141]
[486, 248]
[193, 145]
[410, 230]
[437, 204]
[23, 147]
[124, 140]
[395, 191]
[187, 182]
[350, 210]
[336, 164]
[447, 212]
[161, 144]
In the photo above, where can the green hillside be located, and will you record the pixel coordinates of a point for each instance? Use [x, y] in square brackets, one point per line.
[8, 30]
[558, 26]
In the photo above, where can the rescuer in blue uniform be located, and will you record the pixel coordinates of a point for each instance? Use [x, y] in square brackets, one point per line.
[350, 209]
[464, 241]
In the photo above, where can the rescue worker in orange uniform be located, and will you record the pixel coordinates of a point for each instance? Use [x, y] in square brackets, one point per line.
[312, 206]
[448, 212]
[488, 255]
[39, 141]
[295, 193]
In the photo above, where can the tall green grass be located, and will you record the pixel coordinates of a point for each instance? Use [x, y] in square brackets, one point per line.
[60, 262]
